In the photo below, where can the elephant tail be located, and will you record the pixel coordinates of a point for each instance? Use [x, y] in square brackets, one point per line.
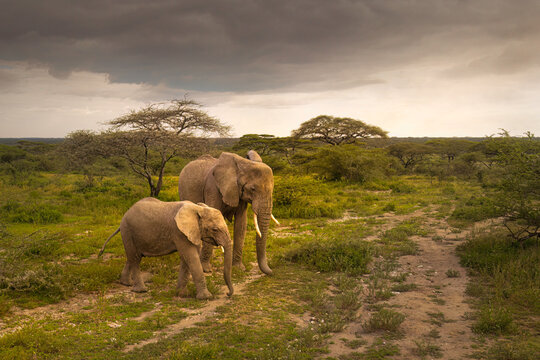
[106, 241]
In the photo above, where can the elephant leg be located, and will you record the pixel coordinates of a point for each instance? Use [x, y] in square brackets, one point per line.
[206, 256]
[125, 277]
[138, 284]
[191, 257]
[183, 278]
[240, 226]
[131, 269]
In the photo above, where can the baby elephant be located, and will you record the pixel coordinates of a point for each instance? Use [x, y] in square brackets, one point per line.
[155, 228]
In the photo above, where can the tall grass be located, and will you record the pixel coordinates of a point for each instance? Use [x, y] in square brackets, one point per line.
[506, 277]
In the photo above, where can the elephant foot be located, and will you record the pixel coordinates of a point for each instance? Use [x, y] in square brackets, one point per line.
[204, 295]
[139, 289]
[239, 265]
[183, 293]
[125, 282]
[207, 267]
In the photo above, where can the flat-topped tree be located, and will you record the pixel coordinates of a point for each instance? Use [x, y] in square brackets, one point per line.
[148, 138]
[409, 153]
[337, 130]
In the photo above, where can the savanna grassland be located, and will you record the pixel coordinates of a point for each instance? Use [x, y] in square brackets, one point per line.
[373, 260]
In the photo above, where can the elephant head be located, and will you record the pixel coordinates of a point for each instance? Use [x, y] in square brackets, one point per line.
[203, 223]
[252, 181]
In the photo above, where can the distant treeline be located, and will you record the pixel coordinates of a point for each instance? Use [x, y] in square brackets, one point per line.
[232, 141]
[14, 141]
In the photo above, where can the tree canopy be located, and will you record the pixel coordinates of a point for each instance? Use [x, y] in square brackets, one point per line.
[337, 130]
[148, 138]
[408, 153]
[177, 116]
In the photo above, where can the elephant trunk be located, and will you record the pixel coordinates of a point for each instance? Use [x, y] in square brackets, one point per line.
[227, 266]
[263, 220]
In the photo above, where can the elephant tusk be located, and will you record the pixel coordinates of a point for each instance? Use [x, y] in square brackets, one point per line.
[222, 248]
[256, 225]
[275, 220]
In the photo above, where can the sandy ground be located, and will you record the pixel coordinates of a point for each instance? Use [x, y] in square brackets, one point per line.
[436, 293]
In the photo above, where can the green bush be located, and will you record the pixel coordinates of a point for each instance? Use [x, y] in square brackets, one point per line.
[291, 189]
[402, 188]
[351, 162]
[384, 320]
[512, 271]
[493, 320]
[476, 209]
[293, 198]
[351, 257]
[515, 177]
[45, 280]
[513, 351]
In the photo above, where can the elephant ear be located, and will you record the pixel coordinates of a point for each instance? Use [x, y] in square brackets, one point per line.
[187, 221]
[254, 156]
[225, 173]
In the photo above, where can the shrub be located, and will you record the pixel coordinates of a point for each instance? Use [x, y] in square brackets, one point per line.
[351, 162]
[513, 351]
[384, 320]
[451, 273]
[403, 287]
[493, 320]
[402, 188]
[291, 189]
[476, 209]
[425, 348]
[46, 280]
[516, 164]
[293, 198]
[348, 300]
[351, 257]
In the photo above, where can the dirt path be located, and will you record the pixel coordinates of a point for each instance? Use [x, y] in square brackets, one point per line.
[86, 302]
[195, 316]
[435, 310]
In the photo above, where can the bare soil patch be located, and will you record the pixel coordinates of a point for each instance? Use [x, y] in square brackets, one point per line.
[436, 309]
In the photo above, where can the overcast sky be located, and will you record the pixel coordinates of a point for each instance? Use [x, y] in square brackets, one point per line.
[412, 67]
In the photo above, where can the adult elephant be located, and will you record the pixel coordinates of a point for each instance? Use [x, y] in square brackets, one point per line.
[228, 184]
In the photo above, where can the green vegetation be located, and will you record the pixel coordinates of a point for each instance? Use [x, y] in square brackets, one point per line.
[384, 320]
[424, 349]
[348, 212]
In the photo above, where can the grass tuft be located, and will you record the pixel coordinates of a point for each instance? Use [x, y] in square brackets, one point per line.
[493, 320]
[384, 320]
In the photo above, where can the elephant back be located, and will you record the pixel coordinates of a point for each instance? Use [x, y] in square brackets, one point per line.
[192, 178]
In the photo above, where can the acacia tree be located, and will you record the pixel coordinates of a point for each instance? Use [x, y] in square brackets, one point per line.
[450, 148]
[408, 153]
[517, 170]
[337, 130]
[148, 138]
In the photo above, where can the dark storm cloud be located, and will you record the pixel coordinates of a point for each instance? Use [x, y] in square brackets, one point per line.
[238, 45]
